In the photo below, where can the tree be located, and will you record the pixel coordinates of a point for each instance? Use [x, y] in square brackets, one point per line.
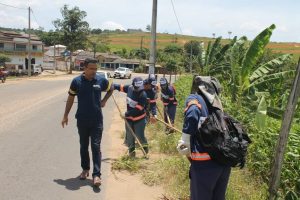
[73, 28]
[192, 47]
[3, 59]
[96, 31]
[51, 38]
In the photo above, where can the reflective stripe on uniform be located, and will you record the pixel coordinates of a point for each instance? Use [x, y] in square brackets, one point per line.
[152, 101]
[109, 85]
[136, 118]
[139, 107]
[193, 102]
[72, 92]
[200, 156]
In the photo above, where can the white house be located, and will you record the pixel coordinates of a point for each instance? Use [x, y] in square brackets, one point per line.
[15, 46]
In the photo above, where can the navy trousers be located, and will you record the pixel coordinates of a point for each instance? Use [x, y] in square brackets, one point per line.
[90, 129]
[171, 111]
[139, 129]
[208, 180]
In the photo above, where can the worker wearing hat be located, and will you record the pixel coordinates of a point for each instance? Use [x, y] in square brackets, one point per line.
[150, 87]
[135, 114]
[168, 97]
[208, 179]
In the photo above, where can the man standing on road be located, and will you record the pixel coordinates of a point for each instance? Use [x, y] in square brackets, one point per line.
[88, 87]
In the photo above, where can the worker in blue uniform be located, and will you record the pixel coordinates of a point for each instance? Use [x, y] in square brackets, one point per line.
[135, 114]
[150, 87]
[208, 179]
[168, 97]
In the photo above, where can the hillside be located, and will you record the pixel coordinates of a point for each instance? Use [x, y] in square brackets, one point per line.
[125, 40]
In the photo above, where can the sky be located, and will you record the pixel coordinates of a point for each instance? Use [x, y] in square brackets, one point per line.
[196, 17]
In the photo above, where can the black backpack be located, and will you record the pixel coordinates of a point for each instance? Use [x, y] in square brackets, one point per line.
[224, 138]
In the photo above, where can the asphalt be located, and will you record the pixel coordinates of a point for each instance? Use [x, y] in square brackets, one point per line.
[39, 159]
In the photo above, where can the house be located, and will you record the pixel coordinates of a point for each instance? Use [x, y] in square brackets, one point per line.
[15, 46]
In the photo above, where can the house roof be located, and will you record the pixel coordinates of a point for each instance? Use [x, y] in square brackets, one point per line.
[10, 36]
[87, 54]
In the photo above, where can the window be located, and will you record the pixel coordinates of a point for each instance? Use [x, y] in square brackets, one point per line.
[34, 47]
[20, 47]
[1, 45]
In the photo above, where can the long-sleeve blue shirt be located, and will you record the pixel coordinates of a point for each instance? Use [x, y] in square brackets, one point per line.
[136, 102]
[195, 113]
[151, 100]
[168, 96]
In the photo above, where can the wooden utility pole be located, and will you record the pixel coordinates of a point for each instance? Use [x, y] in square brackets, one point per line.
[29, 43]
[141, 50]
[153, 39]
[283, 136]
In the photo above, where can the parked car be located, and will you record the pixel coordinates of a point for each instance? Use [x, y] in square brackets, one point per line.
[104, 74]
[122, 72]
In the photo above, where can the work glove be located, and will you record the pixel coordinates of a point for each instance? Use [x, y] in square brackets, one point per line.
[184, 146]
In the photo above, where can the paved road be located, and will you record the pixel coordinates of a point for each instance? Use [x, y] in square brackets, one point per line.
[39, 159]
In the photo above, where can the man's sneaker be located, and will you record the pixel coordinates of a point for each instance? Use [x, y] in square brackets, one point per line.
[96, 181]
[84, 174]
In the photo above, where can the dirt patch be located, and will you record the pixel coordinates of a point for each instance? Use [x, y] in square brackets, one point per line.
[122, 184]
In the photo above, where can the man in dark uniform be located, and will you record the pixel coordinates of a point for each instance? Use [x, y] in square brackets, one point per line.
[208, 179]
[150, 88]
[88, 87]
[135, 114]
[168, 97]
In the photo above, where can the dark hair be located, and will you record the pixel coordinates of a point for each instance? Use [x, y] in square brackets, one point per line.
[87, 61]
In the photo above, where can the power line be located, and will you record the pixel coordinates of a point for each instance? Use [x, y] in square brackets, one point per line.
[13, 6]
[176, 16]
[35, 18]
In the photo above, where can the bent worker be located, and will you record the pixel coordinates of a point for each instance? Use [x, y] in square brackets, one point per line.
[151, 91]
[88, 87]
[208, 179]
[168, 97]
[135, 114]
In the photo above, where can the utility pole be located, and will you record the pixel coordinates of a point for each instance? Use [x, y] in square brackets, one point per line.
[29, 43]
[283, 136]
[153, 38]
[54, 59]
[141, 49]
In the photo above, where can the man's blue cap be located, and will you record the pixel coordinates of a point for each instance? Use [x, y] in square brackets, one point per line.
[138, 83]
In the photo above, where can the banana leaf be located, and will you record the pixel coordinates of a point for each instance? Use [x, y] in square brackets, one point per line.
[254, 52]
[272, 78]
[261, 112]
[269, 67]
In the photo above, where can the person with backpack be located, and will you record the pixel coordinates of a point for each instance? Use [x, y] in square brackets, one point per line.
[208, 178]
[135, 114]
[151, 91]
[168, 97]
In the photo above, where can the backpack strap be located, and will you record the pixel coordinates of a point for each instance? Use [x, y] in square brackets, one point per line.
[193, 102]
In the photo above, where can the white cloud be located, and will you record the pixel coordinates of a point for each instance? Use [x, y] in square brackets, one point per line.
[188, 32]
[110, 25]
[282, 28]
[251, 26]
[15, 21]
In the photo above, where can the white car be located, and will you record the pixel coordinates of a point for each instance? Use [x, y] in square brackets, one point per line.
[122, 72]
[104, 74]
